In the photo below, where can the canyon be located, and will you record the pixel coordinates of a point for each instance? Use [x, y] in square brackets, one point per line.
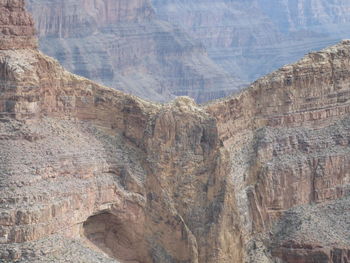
[204, 49]
[92, 174]
[252, 38]
[123, 45]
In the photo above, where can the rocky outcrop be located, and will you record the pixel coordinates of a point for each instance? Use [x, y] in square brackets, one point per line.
[288, 140]
[123, 45]
[100, 168]
[16, 26]
[91, 174]
[255, 37]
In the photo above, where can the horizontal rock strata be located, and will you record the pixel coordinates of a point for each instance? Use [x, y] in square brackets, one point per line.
[91, 174]
[255, 37]
[16, 26]
[287, 136]
[122, 44]
[86, 169]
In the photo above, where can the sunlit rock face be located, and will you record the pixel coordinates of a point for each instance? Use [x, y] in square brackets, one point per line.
[122, 44]
[288, 140]
[91, 174]
[16, 26]
[255, 37]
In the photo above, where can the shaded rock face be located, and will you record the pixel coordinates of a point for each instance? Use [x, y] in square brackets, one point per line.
[253, 38]
[107, 232]
[123, 45]
[92, 174]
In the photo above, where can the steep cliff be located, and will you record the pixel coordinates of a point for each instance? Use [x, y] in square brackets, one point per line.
[123, 45]
[90, 174]
[288, 139]
[255, 37]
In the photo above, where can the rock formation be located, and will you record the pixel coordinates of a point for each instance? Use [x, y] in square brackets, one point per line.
[252, 38]
[288, 138]
[79, 160]
[123, 45]
[16, 26]
[90, 174]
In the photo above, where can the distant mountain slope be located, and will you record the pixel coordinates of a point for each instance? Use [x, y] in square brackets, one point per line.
[254, 37]
[121, 44]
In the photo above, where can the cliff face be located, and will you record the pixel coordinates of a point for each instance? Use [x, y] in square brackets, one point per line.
[123, 45]
[16, 26]
[91, 174]
[287, 136]
[302, 14]
[253, 38]
[65, 19]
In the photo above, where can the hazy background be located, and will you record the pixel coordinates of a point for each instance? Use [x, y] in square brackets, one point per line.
[251, 38]
[206, 49]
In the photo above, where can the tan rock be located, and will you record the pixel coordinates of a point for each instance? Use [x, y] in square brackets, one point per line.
[286, 137]
[90, 174]
[16, 26]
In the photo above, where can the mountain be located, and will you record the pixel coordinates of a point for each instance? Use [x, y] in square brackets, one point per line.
[255, 37]
[91, 174]
[123, 45]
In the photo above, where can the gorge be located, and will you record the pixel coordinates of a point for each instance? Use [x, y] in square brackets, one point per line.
[123, 45]
[92, 174]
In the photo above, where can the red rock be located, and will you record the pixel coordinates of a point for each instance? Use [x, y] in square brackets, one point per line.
[16, 26]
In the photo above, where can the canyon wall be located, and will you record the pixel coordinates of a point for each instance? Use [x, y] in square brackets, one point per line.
[288, 138]
[91, 174]
[123, 45]
[253, 38]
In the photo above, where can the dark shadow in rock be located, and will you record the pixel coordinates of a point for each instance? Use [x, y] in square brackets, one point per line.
[108, 233]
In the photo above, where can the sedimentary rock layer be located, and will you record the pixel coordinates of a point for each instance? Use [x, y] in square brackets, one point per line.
[288, 140]
[123, 45]
[16, 26]
[91, 174]
[85, 168]
[97, 158]
[255, 37]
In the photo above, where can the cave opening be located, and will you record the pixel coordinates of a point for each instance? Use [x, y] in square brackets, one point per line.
[108, 234]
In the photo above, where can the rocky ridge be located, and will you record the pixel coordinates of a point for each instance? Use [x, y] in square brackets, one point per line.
[287, 136]
[91, 174]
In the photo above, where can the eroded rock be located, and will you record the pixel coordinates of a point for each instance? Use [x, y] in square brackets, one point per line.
[122, 44]
[91, 174]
